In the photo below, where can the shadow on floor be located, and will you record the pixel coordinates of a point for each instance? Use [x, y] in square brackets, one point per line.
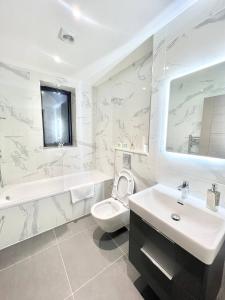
[121, 236]
[103, 240]
[145, 290]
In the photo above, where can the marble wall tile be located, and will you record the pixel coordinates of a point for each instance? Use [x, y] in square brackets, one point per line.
[21, 136]
[187, 96]
[192, 40]
[189, 42]
[122, 115]
[23, 221]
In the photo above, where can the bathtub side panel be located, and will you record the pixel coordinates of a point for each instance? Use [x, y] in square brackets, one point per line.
[21, 222]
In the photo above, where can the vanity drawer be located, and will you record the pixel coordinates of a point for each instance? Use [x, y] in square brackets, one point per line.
[144, 234]
[153, 255]
[150, 270]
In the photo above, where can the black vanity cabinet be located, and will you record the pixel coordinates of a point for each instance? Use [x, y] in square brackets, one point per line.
[172, 272]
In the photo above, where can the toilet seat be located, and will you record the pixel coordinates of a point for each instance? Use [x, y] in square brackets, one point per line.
[107, 209]
[113, 213]
[123, 186]
[110, 214]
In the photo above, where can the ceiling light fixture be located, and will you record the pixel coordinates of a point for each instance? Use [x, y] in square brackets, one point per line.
[76, 12]
[57, 59]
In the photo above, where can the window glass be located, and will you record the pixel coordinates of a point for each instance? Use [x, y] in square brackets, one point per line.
[56, 115]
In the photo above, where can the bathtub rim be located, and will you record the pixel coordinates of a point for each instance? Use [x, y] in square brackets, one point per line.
[100, 177]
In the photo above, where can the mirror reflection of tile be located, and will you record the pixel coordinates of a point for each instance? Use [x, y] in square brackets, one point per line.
[196, 113]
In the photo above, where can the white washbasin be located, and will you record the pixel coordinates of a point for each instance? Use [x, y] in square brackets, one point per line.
[199, 231]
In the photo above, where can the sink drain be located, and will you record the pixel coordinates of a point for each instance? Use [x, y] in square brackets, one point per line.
[175, 217]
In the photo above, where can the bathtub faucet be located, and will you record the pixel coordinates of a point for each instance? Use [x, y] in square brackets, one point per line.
[60, 145]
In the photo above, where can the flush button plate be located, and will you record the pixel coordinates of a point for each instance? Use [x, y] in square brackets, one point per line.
[127, 161]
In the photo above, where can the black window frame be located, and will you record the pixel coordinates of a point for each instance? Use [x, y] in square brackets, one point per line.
[68, 94]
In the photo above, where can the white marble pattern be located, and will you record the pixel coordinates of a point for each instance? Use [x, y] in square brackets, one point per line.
[25, 160]
[190, 42]
[25, 220]
[21, 136]
[187, 96]
[122, 115]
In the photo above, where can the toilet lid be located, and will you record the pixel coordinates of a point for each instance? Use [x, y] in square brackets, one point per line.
[123, 186]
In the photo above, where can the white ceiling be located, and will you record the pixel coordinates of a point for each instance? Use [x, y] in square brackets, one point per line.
[29, 29]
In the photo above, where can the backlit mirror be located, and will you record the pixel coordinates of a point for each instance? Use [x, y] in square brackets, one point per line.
[196, 117]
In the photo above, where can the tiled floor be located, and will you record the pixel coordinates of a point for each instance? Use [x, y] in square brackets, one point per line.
[74, 261]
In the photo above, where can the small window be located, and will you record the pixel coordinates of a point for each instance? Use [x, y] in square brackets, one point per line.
[56, 116]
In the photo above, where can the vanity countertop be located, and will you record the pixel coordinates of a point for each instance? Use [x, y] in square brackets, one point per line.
[199, 231]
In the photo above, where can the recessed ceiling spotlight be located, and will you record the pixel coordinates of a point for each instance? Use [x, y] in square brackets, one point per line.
[65, 36]
[57, 59]
[76, 12]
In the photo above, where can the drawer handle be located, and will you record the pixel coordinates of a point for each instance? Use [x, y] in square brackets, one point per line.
[169, 276]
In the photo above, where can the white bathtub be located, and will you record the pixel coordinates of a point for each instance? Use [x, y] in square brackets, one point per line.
[25, 192]
[42, 205]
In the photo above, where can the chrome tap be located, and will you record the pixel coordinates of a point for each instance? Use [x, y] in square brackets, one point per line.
[184, 188]
[60, 145]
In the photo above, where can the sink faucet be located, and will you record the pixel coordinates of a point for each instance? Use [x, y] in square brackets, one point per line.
[184, 188]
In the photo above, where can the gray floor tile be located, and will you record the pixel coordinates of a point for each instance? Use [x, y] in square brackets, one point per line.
[41, 277]
[86, 254]
[116, 282]
[22, 250]
[68, 230]
[121, 238]
[89, 255]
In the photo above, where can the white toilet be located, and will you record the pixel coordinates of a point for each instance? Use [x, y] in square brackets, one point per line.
[113, 213]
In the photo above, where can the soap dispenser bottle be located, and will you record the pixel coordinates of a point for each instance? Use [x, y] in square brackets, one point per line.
[213, 198]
